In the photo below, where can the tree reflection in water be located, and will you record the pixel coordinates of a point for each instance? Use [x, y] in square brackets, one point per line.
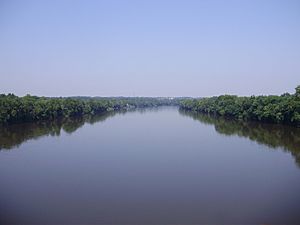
[12, 136]
[271, 135]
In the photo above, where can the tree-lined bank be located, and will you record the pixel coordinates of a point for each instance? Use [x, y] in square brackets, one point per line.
[272, 109]
[32, 108]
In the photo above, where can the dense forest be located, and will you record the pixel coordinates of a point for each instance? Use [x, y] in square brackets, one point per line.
[32, 108]
[272, 109]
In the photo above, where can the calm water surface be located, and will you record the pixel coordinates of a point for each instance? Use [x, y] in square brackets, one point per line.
[156, 166]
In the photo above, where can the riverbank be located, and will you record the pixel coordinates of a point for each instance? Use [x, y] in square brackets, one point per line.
[283, 109]
[14, 109]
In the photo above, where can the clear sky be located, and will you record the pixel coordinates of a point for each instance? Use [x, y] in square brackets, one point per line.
[149, 48]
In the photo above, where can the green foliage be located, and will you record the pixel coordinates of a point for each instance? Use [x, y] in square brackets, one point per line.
[32, 108]
[297, 91]
[272, 109]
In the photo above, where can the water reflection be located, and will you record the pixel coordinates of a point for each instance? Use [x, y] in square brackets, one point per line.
[271, 135]
[13, 136]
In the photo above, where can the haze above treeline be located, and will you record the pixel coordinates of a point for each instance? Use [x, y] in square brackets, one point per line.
[149, 48]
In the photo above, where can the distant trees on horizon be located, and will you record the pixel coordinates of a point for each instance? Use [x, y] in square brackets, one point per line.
[273, 109]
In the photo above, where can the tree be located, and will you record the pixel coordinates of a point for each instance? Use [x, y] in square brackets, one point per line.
[297, 91]
[271, 109]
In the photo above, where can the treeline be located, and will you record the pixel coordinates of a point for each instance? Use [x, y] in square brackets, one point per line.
[136, 102]
[32, 108]
[272, 109]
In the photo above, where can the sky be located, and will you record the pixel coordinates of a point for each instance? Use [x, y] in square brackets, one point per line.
[149, 48]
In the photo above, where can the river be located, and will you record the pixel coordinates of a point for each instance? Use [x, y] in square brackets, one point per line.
[153, 166]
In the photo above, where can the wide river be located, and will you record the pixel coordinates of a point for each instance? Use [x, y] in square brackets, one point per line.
[154, 166]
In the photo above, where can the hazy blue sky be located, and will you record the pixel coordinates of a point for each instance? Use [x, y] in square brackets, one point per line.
[149, 48]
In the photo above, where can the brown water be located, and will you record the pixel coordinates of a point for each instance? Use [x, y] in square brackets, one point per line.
[156, 166]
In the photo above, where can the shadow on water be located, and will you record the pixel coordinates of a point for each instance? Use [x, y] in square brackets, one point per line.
[271, 135]
[12, 136]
